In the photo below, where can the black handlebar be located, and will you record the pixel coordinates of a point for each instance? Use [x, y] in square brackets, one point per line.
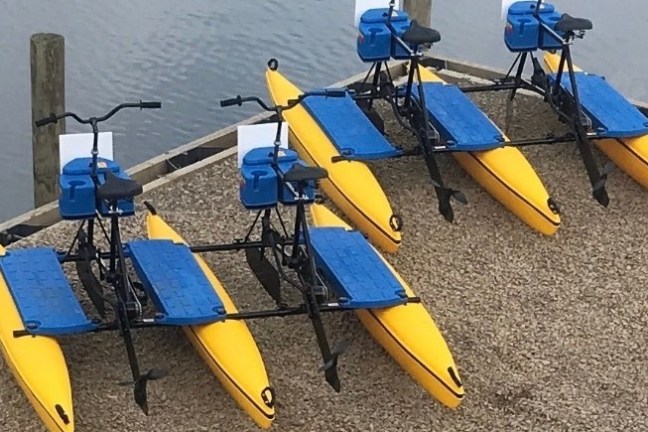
[238, 100]
[336, 92]
[47, 120]
[53, 118]
[151, 105]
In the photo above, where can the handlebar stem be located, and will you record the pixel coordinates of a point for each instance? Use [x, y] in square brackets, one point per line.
[279, 109]
[93, 122]
[392, 5]
[291, 102]
[54, 118]
[95, 145]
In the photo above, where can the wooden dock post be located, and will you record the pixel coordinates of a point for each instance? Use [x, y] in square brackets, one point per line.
[47, 55]
[419, 10]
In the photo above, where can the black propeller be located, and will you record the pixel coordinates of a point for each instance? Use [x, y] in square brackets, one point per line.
[330, 367]
[140, 386]
[445, 195]
[598, 189]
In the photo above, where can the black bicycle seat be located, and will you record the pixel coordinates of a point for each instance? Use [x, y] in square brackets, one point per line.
[418, 35]
[116, 188]
[568, 23]
[300, 173]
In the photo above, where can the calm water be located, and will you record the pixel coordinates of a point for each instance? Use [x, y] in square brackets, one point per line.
[191, 54]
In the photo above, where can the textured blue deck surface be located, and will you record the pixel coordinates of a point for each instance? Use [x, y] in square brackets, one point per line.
[42, 293]
[612, 114]
[348, 128]
[176, 283]
[461, 124]
[354, 270]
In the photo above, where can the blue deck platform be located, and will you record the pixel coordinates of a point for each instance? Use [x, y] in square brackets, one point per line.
[461, 124]
[612, 115]
[354, 269]
[348, 128]
[175, 282]
[42, 294]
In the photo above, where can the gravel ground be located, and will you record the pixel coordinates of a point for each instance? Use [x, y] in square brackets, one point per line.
[548, 333]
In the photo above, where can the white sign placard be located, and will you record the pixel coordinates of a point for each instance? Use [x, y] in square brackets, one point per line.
[250, 137]
[72, 146]
[362, 6]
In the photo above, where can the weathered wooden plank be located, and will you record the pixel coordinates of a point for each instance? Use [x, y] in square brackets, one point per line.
[47, 56]
[419, 10]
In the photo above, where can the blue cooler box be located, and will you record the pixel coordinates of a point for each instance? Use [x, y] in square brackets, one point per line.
[260, 182]
[522, 31]
[375, 39]
[77, 191]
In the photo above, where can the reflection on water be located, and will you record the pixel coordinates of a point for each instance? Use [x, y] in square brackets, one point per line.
[192, 54]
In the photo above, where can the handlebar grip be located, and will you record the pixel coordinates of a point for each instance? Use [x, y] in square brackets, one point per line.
[335, 92]
[46, 120]
[233, 101]
[151, 105]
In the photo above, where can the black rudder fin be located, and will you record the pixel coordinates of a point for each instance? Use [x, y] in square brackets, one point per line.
[139, 390]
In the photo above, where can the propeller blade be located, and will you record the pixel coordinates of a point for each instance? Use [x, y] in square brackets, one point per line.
[601, 196]
[152, 375]
[459, 196]
[330, 367]
[156, 374]
[141, 398]
[333, 379]
[342, 346]
[436, 184]
[608, 168]
[140, 386]
[451, 193]
[599, 185]
[447, 212]
[599, 192]
[329, 364]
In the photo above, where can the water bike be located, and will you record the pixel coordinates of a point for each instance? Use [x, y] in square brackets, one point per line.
[321, 130]
[440, 115]
[38, 304]
[592, 109]
[333, 267]
[445, 120]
